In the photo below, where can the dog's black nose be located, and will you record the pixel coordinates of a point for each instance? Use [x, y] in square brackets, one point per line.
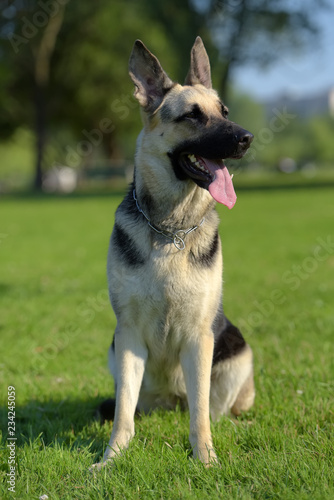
[245, 139]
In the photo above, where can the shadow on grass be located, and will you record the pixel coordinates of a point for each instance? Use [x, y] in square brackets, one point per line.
[4, 288]
[73, 425]
[68, 423]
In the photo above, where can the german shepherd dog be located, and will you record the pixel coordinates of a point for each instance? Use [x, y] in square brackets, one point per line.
[173, 342]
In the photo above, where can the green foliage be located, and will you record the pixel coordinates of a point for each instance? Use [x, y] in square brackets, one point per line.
[56, 326]
[305, 141]
[245, 111]
[321, 132]
[63, 65]
[87, 79]
[16, 157]
[259, 31]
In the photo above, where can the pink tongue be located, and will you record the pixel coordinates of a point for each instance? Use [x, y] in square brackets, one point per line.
[221, 188]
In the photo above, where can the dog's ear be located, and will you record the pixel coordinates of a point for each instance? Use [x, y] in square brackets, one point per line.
[151, 82]
[199, 71]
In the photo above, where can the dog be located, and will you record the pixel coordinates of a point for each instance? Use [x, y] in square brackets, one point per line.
[173, 342]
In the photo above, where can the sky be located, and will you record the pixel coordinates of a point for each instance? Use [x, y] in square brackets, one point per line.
[309, 75]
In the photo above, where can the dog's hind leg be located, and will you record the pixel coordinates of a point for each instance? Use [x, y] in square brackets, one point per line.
[232, 384]
[245, 398]
[130, 357]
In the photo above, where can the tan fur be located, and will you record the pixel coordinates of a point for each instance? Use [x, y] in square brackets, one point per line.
[232, 386]
[166, 306]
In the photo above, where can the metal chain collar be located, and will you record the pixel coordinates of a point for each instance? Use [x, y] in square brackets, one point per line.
[177, 237]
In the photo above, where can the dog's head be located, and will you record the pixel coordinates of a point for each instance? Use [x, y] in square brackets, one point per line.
[188, 124]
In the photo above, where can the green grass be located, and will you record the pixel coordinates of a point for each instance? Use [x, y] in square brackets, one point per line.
[56, 326]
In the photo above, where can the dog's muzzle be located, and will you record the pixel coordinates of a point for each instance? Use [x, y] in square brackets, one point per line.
[202, 159]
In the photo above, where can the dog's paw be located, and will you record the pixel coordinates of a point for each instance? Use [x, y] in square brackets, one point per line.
[207, 456]
[100, 465]
[212, 459]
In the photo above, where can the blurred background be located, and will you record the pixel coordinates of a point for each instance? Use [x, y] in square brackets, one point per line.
[69, 121]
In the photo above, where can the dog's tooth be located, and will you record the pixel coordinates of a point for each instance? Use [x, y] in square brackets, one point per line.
[232, 176]
[197, 164]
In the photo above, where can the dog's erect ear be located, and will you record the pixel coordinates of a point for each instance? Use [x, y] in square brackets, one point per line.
[199, 71]
[150, 80]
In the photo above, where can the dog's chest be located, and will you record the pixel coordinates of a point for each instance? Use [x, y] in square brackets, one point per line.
[169, 299]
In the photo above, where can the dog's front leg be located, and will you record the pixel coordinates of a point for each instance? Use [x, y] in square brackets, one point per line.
[196, 361]
[130, 356]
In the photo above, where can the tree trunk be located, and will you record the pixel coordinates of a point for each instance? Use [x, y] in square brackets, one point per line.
[224, 81]
[232, 57]
[43, 56]
[40, 123]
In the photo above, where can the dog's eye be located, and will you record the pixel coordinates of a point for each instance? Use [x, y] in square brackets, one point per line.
[225, 111]
[191, 114]
[194, 114]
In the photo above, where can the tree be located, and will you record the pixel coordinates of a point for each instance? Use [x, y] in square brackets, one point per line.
[258, 32]
[63, 66]
[33, 65]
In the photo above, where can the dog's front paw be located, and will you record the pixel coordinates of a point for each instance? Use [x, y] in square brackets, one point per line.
[100, 465]
[212, 459]
[207, 456]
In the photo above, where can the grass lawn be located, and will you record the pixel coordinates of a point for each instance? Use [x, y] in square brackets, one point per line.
[56, 326]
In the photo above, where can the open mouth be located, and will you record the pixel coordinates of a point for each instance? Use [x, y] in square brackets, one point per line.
[195, 166]
[211, 174]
